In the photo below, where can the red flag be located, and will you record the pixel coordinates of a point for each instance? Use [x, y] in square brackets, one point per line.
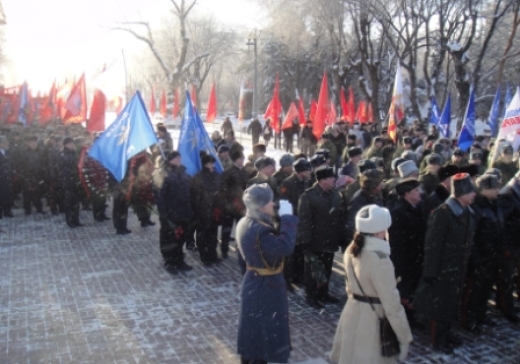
[163, 104]
[76, 104]
[331, 116]
[48, 111]
[344, 105]
[211, 114]
[351, 107]
[361, 114]
[370, 113]
[96, 120]
[62, 95]
[274, 107]
[291, 114]
[9, 104]
[152, 103]
[322, 109]
[194, 96]
[176, 103]
[301, 110]
[312, 110]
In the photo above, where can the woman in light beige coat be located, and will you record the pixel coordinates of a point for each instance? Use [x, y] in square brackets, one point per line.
[357, 339]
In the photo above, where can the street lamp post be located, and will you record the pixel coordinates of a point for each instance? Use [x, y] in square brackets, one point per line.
[253, 42]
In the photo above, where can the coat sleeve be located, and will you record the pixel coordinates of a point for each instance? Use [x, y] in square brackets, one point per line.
[280, 245]
[434, 242]
[398, 236]
[305, 223]
[383, 280]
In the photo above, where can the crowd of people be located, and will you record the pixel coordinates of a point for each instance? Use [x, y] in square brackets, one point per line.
[429, 232]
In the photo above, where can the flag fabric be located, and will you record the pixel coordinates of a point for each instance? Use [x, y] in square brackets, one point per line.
[176, 103]
[351, 107]
[275, 107]
[76, 103]
[435, 112]
[445, 119]
[62, 95]
[24, 105]
[48, 110]
[152, 103]
[312, 110]
[289, 117]
[131, 133]
[194, 95]
[163, 105]
[9, 104]
[301, 110]
[322, 108]
[332, 115]
[343, 103]
[370, 113]
[211, 114]
[193, 139]
[361, 114]
[396, 112]
[510, 127]
[507, 100]
[96, 120]
[467, 133]
[493, 113]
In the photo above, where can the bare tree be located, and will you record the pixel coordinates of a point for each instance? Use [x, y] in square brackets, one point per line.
[142, 31]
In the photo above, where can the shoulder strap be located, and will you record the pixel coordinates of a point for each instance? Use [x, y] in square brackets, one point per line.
[363, 292]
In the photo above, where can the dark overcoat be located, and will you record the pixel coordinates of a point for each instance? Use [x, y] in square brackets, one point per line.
[263, 329]
[406, 238]
[447, 248]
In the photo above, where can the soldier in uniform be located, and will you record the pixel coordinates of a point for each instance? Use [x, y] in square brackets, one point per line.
[375, 149]
[286, 169]
[32, 173]
[291, 189]
[430, 179]
[203, 191]
[321, 231]
[443, 190]
[352, 188]
[172, 195]
[447, 248]
[232, 186]
[69, 180]
[266, 168]
[483, 263]
[506, 165]
[223, 156]
[350, 168]
[509, 261]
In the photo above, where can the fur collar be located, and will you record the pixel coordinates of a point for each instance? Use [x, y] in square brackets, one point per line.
[455, 206]
[376, 245]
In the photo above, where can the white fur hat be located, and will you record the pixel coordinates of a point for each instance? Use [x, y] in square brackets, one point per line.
[372, 219]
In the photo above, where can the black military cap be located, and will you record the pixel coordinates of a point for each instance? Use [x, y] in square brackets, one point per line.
[301, 165]
[324, 172]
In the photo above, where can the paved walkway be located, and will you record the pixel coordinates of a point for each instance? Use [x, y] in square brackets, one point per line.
[86, 295]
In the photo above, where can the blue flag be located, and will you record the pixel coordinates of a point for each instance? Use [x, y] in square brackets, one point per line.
[24, 105]
[193, 139]
[507, 100]
[445, 119]
[434, 117]
[467, 133]
[493, 113]
[131, 133]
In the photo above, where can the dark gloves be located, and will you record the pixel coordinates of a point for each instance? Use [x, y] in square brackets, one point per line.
[431, 280]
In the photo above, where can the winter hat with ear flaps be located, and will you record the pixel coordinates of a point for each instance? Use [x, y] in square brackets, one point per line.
[461, 184]
[257, 196]
[373, 219]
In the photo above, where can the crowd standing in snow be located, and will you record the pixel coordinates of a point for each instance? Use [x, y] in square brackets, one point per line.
[444, 221]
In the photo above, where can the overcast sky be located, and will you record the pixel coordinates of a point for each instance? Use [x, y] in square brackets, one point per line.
[55, 39]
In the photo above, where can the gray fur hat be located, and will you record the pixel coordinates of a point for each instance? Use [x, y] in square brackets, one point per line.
[257, 196]
[407, 168]
[286, 160]
[487, 182]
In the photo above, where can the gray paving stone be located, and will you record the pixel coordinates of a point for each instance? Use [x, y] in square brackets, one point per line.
[89, 296]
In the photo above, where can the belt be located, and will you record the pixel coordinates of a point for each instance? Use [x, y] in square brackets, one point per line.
[265, 271]
[372, 300]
